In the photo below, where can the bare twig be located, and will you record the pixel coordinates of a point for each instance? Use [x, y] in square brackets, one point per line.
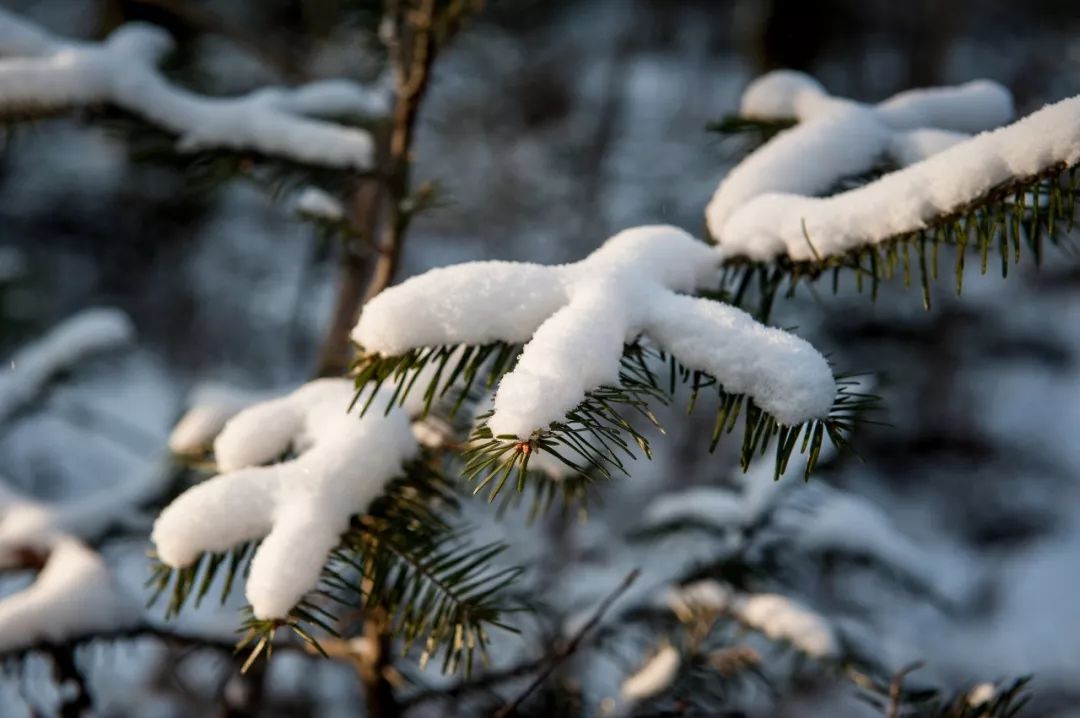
[570, 647]
[896, 689]
[473, 685]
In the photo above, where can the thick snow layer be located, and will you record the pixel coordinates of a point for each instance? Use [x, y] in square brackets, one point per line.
[655, 676]
[576, 317]
[783, 619]
[211, 406]
[73, 596]
[298, 508]
[50, 73]
[319, 204]
[30, 524]
[764, 207]
[75, 339]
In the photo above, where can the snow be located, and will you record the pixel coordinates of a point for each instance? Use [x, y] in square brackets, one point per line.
[653, 677]
[54, 74]
[704, 595]
[755, 492]
[784, 619]
[211, 406]
[850, 523]
[90, 332]
[705, 504]
[300, 507]
[981, 694]
[907, 148]
[576, 317]
[319, 204]
[27, 523]
[74, 595]
[763, 208]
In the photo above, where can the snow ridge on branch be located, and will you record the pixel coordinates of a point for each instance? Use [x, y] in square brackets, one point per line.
[42, 73]
[576, 319]
[764, 208]
[72, 341]
[301, 506]
[74, 595]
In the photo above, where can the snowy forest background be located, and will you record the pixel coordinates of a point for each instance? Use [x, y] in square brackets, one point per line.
[550, 126]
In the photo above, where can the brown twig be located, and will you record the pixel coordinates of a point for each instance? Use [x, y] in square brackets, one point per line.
[896, 689]
[570, 647]
[412, 43]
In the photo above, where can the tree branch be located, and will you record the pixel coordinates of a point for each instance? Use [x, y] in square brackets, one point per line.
[896, 689]
[568, 649]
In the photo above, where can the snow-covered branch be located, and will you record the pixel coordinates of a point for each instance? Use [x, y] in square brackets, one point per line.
[765, 207]
[298, 508]
[210, 406]
[576, 319]
[34, 525]
[69, 343]
[317, 204]
[74, 595]
[780, 618]
[50, 74]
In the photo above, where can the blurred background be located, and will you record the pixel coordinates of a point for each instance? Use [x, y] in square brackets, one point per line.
[550, 125]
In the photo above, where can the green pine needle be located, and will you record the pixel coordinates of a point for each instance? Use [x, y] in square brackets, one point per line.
[1027, 212]
[761, 130]
[455, 374]
[401, 559]
[599, 436]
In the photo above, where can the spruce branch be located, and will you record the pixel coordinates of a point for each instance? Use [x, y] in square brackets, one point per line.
[51, 74]
[888, 695]
[403, 558]
[599, 435]
[207, 170]
[441, 373]
[1029, 212]
[757, 130]
[568, 649]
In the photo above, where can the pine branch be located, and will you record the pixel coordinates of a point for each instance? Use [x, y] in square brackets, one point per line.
[893, 701]
[570, 647]
[543, 492]
[758, 129]
[598, 435]
[463, 369]
[1030, 211]
[402, 558]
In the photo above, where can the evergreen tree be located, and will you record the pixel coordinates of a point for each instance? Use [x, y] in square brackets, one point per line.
[336, 507]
